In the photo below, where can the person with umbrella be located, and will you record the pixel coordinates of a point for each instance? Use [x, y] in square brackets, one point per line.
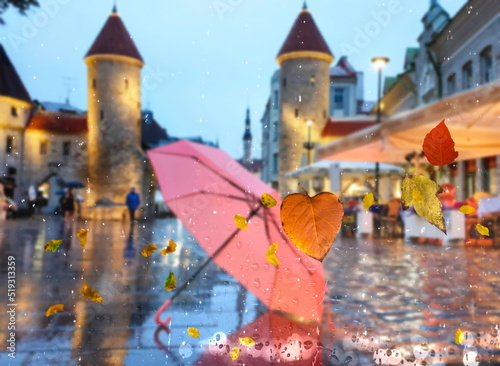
[68, 205]
[133, 201]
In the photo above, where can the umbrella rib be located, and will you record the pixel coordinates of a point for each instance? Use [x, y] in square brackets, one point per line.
[211, 258]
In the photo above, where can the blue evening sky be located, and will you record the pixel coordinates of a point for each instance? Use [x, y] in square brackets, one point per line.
[206, 60]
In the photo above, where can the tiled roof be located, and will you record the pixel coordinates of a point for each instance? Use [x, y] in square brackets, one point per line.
[114, 39]
[10, 82]
[344, 128]
[343, 69]
[58, 122]
[305, 36]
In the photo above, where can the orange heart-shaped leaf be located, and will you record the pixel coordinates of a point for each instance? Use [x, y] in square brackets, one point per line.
[439, 147]
[312, 223]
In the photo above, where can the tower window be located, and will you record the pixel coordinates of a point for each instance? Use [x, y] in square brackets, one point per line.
[276, 131]
[467, 76]
[43, 147]
[296, 112]
[9, 147]
[324, 113]
[276, 99]
[126, 83]
[13, 111]
[313, 80]
[338, 98]
[284, 82]
[275, 163]
[94, 83]
[66, 148]
[486, 65]
[102, 114]
[451, 84]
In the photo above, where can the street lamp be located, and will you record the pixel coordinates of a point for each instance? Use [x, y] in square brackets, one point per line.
[309, 145]
[378, 63]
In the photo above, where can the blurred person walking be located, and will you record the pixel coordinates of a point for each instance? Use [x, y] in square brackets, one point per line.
[133, 201]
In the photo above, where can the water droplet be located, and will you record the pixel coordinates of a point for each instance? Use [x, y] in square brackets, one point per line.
[185, 350]
[255, 266]
[256, 282]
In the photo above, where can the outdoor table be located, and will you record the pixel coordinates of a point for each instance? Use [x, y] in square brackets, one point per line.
[489, 209]
[418, 227]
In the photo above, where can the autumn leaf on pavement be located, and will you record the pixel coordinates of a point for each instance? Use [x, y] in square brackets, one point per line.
[82, 236]
[53, 245]
[247, 341]
[312, 223]
[268, 200]
[170, 282]
[193, 332]
[439, 147]
[421, 193]
[368, 200]
[54, 309]
[271, 254]
[240, 222]
[91, 294]
[459, 336]
[149, 250]
[235, 353]
[466, 209]
[483, 230]
[170, 248]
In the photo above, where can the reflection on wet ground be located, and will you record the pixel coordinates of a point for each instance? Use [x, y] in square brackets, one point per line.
[384, 295]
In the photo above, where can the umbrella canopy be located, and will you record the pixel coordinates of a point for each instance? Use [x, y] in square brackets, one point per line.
[74, 184]
[205, 188]
[322, 169]
[277, 339]
[471, 117]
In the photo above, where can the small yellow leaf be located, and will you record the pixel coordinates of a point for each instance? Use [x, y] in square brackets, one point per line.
[235, 353]
[82, 236]
[459, 336]
[170, 248]
[240, 222]
[170, 282]
[421, 193]
[247, 342]
[466, 209]
[150, 248]
[482, 230]
[193, 332]
[91, 294]
[271, 254]
[368, 201]
[53, 245]
[54, 309]
[268, 200]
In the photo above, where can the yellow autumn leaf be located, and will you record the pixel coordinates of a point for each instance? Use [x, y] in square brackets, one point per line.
[483, 230]
[170, 282]
[459, 336]
[421, 193]
[466, 209]
[193, 332]
[82, 236]
[54, 309]
[170, 248]
[240, 222]
[271, 254]
[247, 342]
[91, 294]
[52, 245]
[368, 200]
[268, 200]
[150, 248]
[235, 353]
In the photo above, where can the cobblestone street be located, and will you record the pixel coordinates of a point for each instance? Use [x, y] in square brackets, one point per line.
[384, 295]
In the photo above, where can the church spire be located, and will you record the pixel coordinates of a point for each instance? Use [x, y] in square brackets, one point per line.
[247, 142]
[304, 7]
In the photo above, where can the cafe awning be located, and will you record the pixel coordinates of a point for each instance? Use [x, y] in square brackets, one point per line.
[322, 169]
[473, 118]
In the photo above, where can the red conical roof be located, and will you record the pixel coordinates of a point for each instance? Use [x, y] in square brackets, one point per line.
[114, 39]
[304, 37]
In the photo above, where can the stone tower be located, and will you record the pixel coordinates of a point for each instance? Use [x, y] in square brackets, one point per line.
[116, 161]
[304, 61]
[247, 142]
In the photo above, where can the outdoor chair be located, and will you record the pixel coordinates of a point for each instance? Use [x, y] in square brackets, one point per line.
[390, 220]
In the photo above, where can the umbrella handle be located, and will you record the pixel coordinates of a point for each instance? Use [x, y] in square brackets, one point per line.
[160, 311]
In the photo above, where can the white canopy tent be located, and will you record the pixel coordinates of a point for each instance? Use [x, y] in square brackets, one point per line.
[473, 118]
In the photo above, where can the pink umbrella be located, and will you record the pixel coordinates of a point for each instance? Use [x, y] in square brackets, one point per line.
[205, 188]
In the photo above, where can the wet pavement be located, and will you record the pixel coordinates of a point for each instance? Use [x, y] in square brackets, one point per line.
[384, 295]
